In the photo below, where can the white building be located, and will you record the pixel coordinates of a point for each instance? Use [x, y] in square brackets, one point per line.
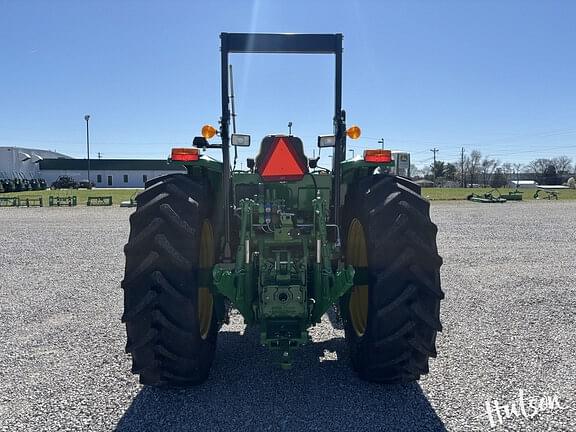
[401, 163]
[20, 162]
[526, 184]
[108, 173]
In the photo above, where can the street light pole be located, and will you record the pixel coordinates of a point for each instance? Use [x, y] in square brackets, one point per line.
[87, 117]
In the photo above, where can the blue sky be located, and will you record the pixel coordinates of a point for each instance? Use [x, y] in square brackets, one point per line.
[497, 76]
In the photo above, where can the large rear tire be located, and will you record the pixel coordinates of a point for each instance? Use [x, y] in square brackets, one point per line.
[170, 320]
[392, 315]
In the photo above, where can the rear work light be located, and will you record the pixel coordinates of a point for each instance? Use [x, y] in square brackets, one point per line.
[378, 156]
[185, 154]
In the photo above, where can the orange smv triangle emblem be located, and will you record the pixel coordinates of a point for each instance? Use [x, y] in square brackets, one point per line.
[282, 163]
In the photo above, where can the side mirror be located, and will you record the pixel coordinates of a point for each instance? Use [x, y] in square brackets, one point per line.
[326, 141]
[313, 163]
[200, 142]
[240, 140]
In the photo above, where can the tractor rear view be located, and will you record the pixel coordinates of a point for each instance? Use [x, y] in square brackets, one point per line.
[282, 242]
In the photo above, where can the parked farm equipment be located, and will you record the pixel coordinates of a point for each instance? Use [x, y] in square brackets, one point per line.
[129, 203]
[9, 202]
[99, 201]
[548, 194]
[8, 185]
[19, 185]
[64, 182]
[37, 184]
[283, 242]
[31, 202]
[515, 195]
[489, 197]
[62, 201]
[15, 201]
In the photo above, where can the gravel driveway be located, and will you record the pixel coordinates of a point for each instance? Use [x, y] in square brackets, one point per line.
[509, 326]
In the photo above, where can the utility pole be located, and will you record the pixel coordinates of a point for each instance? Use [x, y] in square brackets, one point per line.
[87, 117]
[99, 155]
[517, 167]
[434, 150]
[462, 168]
[381, 141]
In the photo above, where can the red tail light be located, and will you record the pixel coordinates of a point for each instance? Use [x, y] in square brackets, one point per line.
[378, 156]
[282, 163]
[185, 154]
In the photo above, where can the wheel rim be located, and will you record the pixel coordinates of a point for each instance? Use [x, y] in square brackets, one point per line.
[356, 255]
[205, 262]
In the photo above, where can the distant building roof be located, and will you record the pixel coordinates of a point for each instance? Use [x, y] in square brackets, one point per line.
[523, 182]
[424, 183]
[553, 187]
[110, 165]
[40, 152]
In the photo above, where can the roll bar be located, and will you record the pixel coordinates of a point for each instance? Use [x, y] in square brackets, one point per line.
[285, 43]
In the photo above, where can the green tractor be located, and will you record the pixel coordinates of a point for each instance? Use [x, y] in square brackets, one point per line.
[282, 242]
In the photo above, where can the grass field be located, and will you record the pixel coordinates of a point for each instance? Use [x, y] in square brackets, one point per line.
[82, 195]
[118, 195]
[446, 194]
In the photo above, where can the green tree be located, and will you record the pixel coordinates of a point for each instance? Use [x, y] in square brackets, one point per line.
[550, 177]
[450, 172]
[488, 166]
[438, 169]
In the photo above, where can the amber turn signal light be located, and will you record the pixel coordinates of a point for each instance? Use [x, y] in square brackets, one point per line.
[208, 131]
[353, 132]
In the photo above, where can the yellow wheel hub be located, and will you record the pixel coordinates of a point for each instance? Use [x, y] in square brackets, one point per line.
[206, 262]
[356, 255]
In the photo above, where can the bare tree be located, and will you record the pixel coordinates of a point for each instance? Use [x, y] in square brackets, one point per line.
[415, 172]
[472, 164]
[507, 170]
[538, 166]
[563, 164]
[488, 167]
[426, 171]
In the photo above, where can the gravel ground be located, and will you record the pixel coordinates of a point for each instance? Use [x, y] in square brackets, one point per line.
[510, 282]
